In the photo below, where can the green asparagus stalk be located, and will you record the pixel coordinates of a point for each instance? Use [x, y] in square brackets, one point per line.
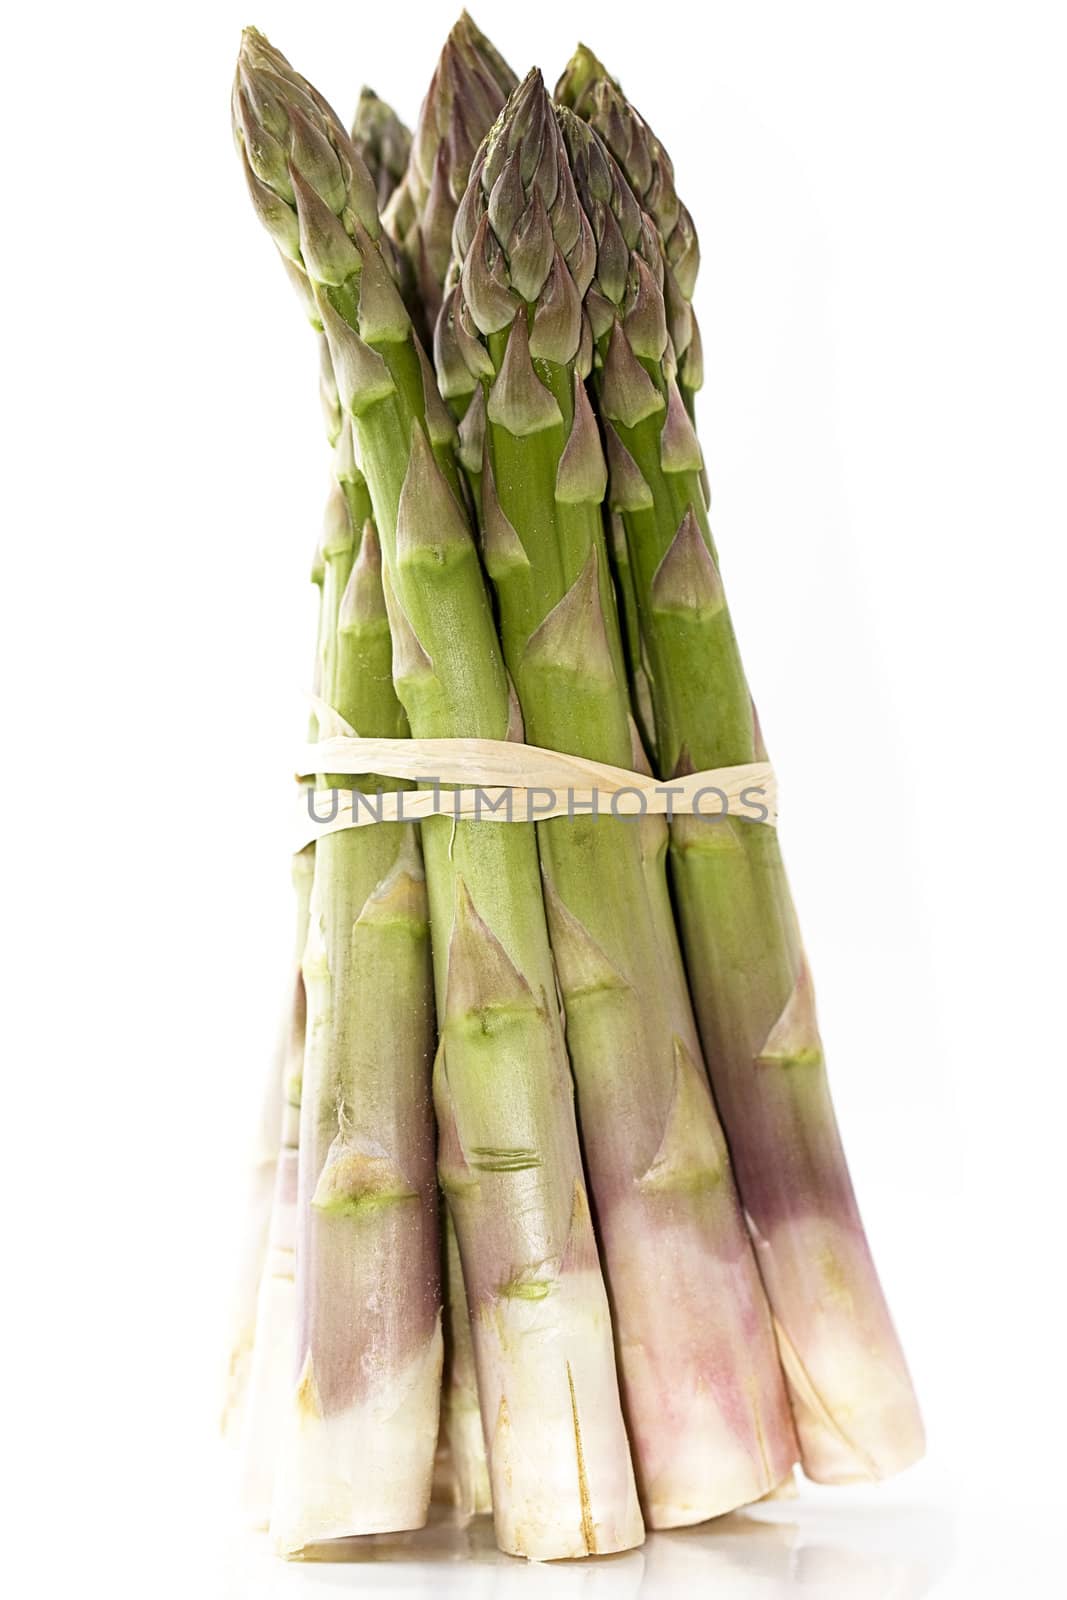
[852, 1398]
[471, 77]
[469, 86]
[705, 1404]
[382, 141]
[361, 1427]
[509, 1159]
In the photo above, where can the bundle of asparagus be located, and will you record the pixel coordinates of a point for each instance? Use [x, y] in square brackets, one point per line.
[517, 549]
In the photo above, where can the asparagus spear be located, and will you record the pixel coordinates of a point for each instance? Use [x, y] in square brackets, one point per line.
[852, 1398]
[363, 1423]
[472, 79]
[362, 1417]
[383, 141]
[470, 84]
[706, 1408]
[276, 1322]
[508, 1151]
[461, 1471]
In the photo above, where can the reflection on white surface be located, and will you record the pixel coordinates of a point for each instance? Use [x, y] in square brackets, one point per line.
[824, 1550]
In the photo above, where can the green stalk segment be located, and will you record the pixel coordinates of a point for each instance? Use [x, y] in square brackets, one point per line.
[508, 1158]
[706, 1407]
[852, 1398]
[361, 1421]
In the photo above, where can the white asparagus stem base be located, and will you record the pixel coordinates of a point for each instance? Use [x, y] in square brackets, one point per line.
[462, 1471]
[851, 1384]
[250, 1276]
[263, 1167]
[272, 1354]
[545, 1381]
[364, 1466]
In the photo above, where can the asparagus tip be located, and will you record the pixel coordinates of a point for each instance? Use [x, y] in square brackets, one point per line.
[382, 140]
[583, 71]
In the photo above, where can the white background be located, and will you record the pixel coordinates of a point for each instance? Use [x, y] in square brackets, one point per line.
[879, 191]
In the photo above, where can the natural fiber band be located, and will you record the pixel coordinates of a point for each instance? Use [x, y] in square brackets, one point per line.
[503, 781]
